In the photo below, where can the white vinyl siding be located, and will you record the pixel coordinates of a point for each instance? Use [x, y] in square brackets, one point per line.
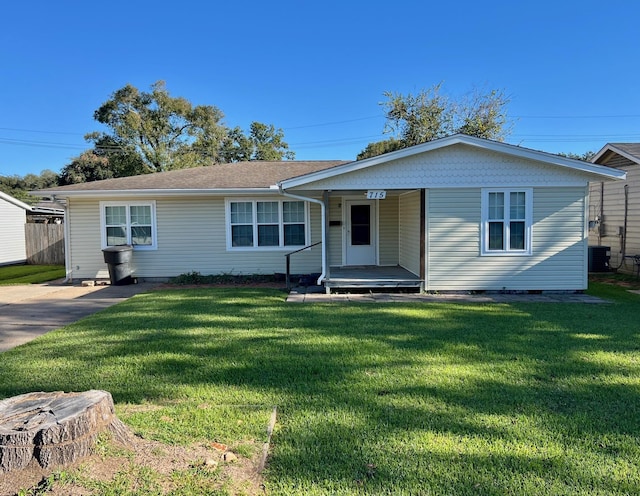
[12, 235]
[191, 236]
[334, 233]
[458, 166]
[558, 254]
[409, 232]
[388, 230]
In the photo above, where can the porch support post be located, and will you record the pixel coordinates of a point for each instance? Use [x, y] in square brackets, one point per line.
[423, 218]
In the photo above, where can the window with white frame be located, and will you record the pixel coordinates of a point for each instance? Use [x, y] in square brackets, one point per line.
[266, 224]
[506, 221]
[128, 223]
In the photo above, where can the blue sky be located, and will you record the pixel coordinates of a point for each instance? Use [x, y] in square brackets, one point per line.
[317, 69]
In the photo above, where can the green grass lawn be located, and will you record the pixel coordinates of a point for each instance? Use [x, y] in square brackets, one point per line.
[437, 398]
[30, 274]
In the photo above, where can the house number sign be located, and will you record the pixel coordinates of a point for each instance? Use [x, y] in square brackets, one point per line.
[376, 194]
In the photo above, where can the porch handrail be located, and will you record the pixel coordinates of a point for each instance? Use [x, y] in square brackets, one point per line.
[288, 265]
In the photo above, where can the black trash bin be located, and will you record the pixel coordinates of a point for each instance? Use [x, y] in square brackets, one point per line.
[118, 260]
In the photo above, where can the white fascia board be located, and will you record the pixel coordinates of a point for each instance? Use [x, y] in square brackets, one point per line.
[15, 201]
[143, 193]
[495, 146]
[612, 148]
[569, 163]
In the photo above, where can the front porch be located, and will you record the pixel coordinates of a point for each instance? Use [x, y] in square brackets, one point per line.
[372, 277]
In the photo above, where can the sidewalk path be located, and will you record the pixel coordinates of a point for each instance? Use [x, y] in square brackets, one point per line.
[303, 296]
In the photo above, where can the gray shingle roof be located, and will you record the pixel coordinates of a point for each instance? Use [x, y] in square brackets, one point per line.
[240, 175]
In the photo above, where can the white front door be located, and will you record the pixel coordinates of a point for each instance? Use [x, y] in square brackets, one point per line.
[361, 235]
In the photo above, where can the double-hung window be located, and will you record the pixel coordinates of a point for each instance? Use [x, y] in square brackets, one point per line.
[268, 224]
[128, 223]
[506, 221]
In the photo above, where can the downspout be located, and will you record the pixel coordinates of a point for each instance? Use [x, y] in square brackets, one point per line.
[623, 235]
[67, 244]
[323, 216]
[601, 216]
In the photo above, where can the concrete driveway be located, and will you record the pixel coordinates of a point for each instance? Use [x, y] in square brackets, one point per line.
[26, 312]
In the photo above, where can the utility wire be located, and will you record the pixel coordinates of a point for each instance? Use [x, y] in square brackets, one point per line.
[529, 138]
[357, 119]
[569, 138]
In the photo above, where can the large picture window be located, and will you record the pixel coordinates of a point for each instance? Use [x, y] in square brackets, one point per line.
[506, 221]
[266, 224]
[128, 223]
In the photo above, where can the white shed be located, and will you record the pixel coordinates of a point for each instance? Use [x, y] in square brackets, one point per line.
[13, 217]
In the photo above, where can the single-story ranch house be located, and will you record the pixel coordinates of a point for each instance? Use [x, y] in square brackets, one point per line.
[458, 213]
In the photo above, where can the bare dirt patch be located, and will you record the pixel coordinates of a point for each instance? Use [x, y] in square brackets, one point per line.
[207, 466]
[623, 280]
[197, 280]
[228, 285]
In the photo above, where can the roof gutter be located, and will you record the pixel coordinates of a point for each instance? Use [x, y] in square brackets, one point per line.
[323, 215]
[152, 192]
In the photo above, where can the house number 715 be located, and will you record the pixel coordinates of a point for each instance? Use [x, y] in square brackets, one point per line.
[376, 194]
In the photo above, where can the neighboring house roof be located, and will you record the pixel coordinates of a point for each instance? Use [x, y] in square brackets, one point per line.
[48, 207]
[630, 151]
[456, 139]
[240, 176]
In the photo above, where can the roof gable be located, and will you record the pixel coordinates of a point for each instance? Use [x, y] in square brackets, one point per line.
[627, 154]
[500, 152]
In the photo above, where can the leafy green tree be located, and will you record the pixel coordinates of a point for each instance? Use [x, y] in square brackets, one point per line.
[380, 147]
[165, 132]
[46, 179]
[483, 115]
[586, 156]
[155, 132]
[19, 187]
[264, 142]
[417, 118]
[429, 115]
[88, 166]
[122, 161]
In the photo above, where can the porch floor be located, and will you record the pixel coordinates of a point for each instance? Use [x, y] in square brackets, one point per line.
[371, 277]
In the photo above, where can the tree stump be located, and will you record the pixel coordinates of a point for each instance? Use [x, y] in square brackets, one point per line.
[55, 428]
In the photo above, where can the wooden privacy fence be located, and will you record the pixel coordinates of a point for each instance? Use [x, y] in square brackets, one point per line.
[45, 243]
